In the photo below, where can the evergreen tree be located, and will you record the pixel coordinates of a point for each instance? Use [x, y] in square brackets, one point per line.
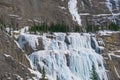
[77, 29]
[113, 27]
[89, 28]
[93, 73]
[43, 75]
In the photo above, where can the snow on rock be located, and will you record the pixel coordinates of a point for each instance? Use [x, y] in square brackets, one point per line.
[84, 14]
[112, 54]
[109, 5]
[18, 77]
[24, 30]
[116, 71]
[83, 5]
[66, 56]
[117, 2]
[113, 5]
[105, 32]
[117, 50]
[61, 7]
[6, 55]
[38, 74]
[8, 29]
[18, 45]
[90, 2]
[72, 5]
[13, 15]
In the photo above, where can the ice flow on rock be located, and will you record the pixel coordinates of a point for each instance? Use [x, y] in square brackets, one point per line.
[66, 56]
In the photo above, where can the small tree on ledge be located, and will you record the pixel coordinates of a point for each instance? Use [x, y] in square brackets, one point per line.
[93, 74]
[43, 75]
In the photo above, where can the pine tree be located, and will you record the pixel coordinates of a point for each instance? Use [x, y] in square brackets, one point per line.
[43, 75]
[93, 73]
[114, 27]
[89, 28]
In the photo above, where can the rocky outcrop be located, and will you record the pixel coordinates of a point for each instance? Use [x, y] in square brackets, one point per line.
[111, 54]
[13, 62]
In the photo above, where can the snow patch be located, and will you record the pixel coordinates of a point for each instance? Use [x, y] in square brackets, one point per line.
[61, 7]
[18, 45]
[18, 77]
[105, 32]
[37, 73]
[72, 5]
[109, 5]
[116, 72]
[24, 30]
[6, 55]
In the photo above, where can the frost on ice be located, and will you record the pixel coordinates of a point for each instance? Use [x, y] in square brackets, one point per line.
[66, 57]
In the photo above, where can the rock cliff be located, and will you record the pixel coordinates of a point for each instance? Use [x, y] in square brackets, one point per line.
[13, 62]
[111, 53]
[24, 12]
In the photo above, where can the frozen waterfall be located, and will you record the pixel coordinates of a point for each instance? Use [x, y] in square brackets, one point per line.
[66, 56]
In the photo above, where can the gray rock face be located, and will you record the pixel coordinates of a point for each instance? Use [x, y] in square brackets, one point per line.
[111, 54]
[13, 63]
[24, 12]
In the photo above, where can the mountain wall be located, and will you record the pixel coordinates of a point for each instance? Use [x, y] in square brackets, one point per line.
[99, 50]
[71, 12]
[111, 53]
[13, 62]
